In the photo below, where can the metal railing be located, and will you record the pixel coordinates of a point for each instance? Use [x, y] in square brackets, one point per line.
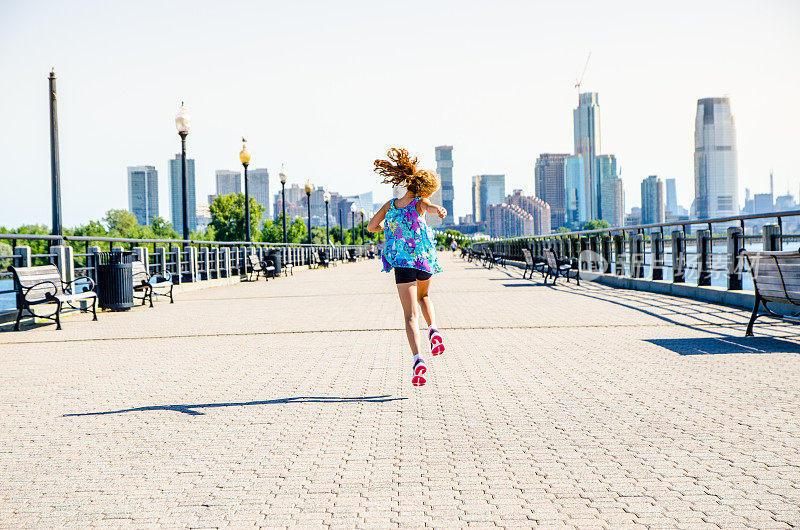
[705, 252]
[186, 260]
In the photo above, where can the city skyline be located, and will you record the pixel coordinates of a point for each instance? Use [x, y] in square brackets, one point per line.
[332, 135]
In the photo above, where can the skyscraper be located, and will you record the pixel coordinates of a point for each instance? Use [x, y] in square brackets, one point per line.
[652, 200]
[671, 204]
[493, 189]
[586, 122]
[508, 220]
[576, 205]
[228, 182]
[258, 186]
[535, 206]
[548, 175]
[143, 193]
[486, 190]
[716, 175]
[176, 194]
[606, 168]
[476, 199]
[444, 167]
[613, 196]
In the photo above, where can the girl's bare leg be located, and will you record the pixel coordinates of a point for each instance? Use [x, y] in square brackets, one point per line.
[425, 302]
[408, 299]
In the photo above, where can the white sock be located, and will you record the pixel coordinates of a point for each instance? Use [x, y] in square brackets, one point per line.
[432, 326]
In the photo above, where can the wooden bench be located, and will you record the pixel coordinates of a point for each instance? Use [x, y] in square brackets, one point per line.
[776, 278]
[495, 260]
[42, 285]
[560, 267]
[147, 283]
[323, 258]
[532, 264]
[260, 267]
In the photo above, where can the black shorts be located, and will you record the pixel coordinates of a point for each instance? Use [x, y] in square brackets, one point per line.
[408, 275]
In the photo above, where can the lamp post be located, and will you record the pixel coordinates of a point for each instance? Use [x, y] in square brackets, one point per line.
[309, 188]
[55, 165]
[244, 156]
[341, 226]
[182, 122]
[282, 175]
[327, 198]
[353, 222]
[363, 213]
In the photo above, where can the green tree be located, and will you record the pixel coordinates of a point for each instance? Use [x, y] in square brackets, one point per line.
[38, 246]
[562, 230]
[227, 217]
[272, 231]
[596, 224]
[297, 232]
[122, 223]
[5, 250]
[163, 229]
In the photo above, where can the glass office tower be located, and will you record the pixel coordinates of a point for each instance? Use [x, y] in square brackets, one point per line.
[576, 201]
[444, 167]
[143, 193]
[716, 175]
[586, 122]
[548, 174]
[176, 194]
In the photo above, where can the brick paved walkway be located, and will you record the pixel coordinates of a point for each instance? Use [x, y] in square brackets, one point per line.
[289, 403]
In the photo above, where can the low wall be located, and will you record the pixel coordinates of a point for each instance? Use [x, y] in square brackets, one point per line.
[716, 295]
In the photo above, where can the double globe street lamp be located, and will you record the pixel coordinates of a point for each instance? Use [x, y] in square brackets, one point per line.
[182, 122]
[327, 198]
[363, 213]
[309, 189]
[282, 175]
[244, 157]
[353, 209]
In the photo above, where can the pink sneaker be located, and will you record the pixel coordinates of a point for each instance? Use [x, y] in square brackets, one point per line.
[437, 344]
[418, 373]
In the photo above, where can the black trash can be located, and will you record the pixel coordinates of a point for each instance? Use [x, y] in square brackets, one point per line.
[115, 280]
[275, 256]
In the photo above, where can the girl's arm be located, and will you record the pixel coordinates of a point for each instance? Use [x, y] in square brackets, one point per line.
[425, 205]
[376, 223]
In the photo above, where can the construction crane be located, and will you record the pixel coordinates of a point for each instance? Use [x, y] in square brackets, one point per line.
[580, 80]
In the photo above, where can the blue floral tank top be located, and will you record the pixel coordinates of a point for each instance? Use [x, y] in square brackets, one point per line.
[409, 240]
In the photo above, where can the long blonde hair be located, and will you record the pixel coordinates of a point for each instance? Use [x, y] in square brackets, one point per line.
[401, 170]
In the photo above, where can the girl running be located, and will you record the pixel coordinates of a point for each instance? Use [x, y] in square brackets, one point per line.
[410, 247]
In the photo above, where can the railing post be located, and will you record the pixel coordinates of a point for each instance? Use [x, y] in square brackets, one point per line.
[204, 265]
[215, 262]
[117, 249]
[594, 251]
[178, 257]
[93, 260]
[636, 252]
[226, 261]
[161, 252]
[191, 258]
[63, 259]
[771, 240]
[605, 251]
[657, 255]
[142, 255]
[678, 256]
[735, 245]
[703, 257]
[619, 254]
[24, 259]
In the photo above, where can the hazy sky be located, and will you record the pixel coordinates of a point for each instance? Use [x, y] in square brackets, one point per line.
[326, 87]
